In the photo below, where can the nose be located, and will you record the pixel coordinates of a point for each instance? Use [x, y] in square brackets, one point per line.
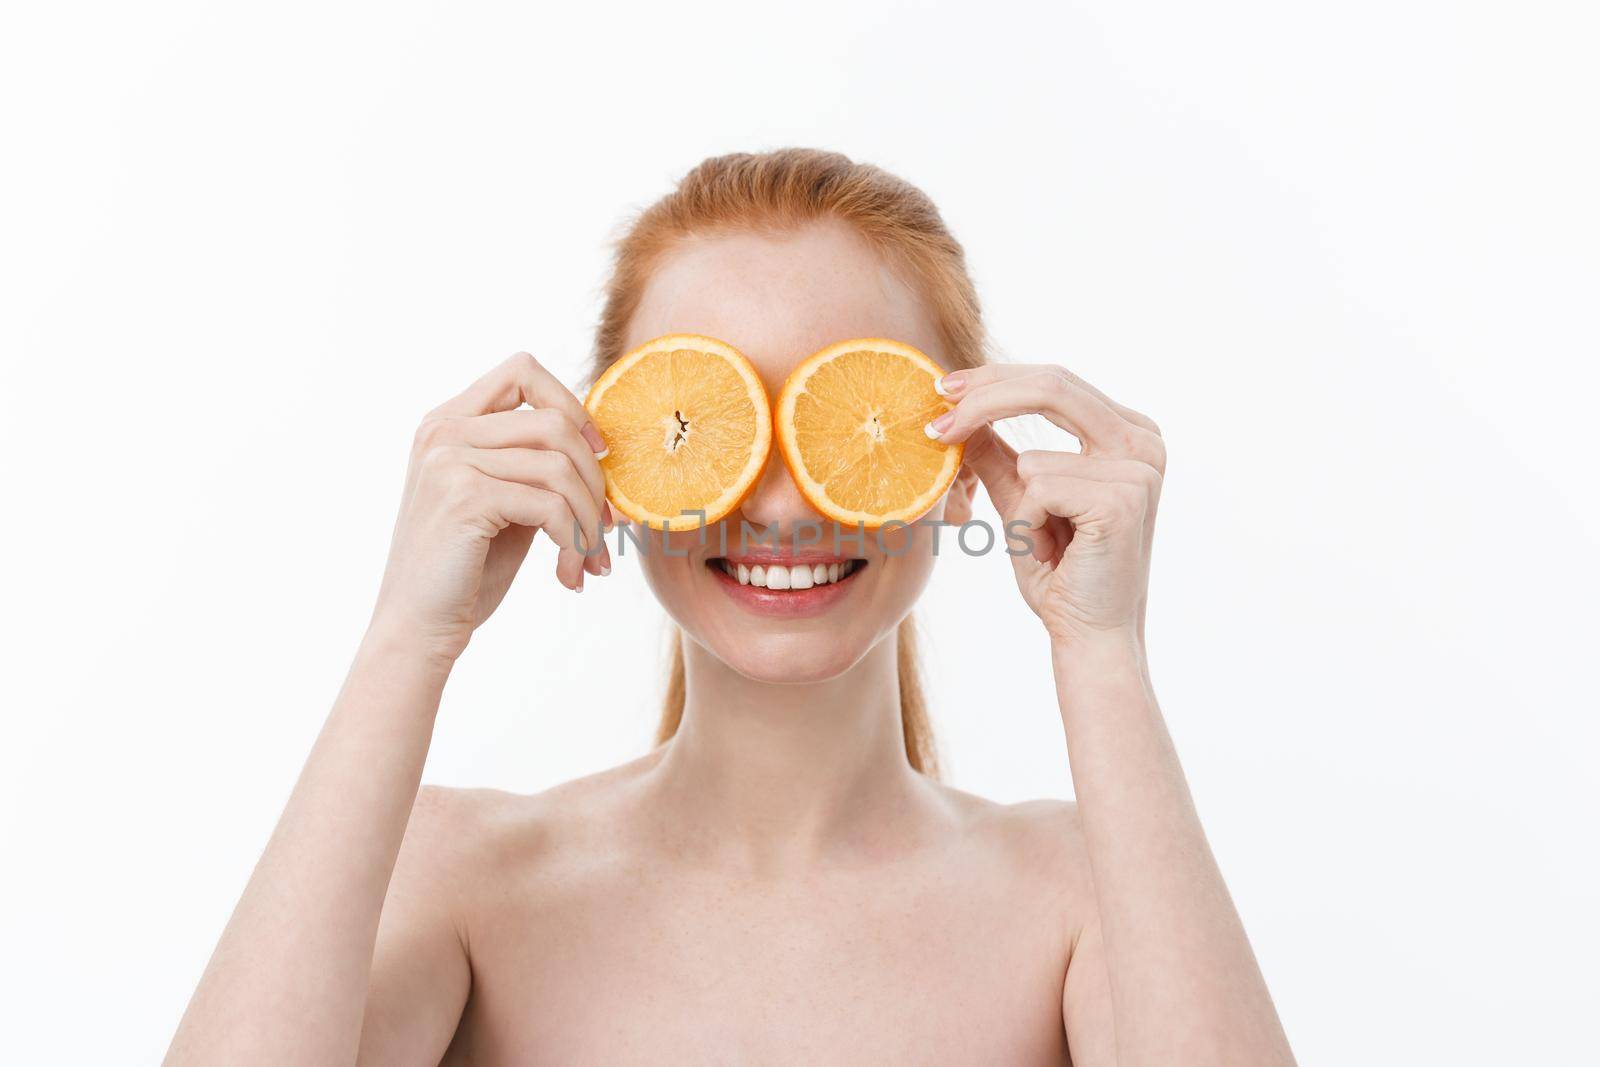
[776, 501]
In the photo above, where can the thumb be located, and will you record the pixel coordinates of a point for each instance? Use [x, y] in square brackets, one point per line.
[995, 464]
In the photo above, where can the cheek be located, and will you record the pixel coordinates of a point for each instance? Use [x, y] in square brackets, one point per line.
[668, 569]
[904, 563]
[905, 554]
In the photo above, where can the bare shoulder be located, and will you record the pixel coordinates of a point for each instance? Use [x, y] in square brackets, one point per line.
[476, 833]
[1038, 842]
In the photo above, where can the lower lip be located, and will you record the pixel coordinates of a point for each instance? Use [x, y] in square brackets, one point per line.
[784, 603]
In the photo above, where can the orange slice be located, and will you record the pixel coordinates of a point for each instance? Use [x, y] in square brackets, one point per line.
[688, 426]
[850, 424]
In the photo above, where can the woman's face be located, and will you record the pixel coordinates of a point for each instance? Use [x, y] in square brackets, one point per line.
[777, 300]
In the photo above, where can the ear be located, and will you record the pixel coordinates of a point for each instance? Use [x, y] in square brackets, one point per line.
[958, 501]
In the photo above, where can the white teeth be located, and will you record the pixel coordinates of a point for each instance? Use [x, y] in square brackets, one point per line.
[800, 576]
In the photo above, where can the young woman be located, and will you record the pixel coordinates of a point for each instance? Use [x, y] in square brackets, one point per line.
[783, 879]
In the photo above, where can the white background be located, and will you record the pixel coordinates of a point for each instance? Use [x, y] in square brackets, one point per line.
[1344, 253]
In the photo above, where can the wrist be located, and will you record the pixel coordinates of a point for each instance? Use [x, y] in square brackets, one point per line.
[1099, 646]
[1100, 659]
[397, 645]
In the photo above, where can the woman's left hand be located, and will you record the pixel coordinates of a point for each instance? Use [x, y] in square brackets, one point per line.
[1090, 515]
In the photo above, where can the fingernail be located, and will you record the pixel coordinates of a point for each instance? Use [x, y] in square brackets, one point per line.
[596, 442]
[579, 587]
[605, 561]
[939, 425]
[606, 518]
[950, 384]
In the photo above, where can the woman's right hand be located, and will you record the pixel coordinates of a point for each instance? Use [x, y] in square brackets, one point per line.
[485, 475]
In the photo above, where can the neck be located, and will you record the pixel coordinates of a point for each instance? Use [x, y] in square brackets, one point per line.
[777, 773]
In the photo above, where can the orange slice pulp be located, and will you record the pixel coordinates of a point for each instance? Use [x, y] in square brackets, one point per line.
[850, 424]
[688, 428]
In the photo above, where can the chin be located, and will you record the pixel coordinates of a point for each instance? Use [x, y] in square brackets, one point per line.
[786, 617]
[787, 658]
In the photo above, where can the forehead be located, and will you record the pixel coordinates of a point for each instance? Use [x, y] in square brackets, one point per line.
[780, 298]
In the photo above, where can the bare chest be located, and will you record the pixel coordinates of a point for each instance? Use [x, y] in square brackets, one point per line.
[657, 968]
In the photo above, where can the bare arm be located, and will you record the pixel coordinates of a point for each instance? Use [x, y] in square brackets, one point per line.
[1164, 973]
[1183, 983]
[290, 979]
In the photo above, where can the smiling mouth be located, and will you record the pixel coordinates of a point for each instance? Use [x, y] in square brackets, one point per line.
[782, 577]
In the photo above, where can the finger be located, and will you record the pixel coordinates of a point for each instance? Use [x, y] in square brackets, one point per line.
[957, 383]
[1066, 405]
[522, 380]
[1039, 463]
[545, 470]
[1036, 462]
[1092, 507]
[995, 463]
[542, 428]
[570, 569]
[526, 505]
